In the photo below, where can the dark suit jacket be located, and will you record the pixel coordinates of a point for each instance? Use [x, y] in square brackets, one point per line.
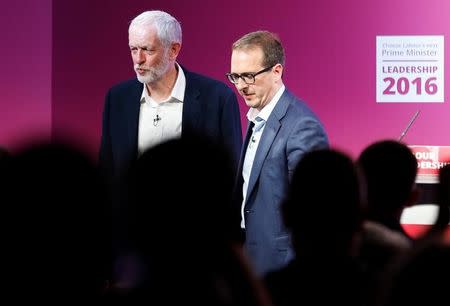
[291, 130]
[210, 108]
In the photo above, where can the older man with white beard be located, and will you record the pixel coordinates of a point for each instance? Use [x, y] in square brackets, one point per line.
[166, 101]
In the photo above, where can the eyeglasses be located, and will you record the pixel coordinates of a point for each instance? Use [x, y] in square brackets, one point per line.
[247, 77]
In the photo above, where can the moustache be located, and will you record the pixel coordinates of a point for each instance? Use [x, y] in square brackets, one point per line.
[137, 66]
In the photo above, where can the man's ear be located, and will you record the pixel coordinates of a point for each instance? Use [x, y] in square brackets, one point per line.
[278, 71]
[174, 50]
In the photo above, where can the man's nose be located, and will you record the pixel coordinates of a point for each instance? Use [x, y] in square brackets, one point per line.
[240, 84]
[140, 57]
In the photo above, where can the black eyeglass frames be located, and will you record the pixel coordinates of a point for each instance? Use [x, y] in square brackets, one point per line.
[247, 77]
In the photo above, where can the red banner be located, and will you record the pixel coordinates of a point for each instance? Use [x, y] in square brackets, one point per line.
[429, 160]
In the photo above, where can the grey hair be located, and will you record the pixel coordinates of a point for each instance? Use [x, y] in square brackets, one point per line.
[167, 27]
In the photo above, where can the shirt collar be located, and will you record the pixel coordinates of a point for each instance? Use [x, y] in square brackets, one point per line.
[177, 90]
[267, 110]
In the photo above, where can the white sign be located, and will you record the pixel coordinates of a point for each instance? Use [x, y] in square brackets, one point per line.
[410, 68]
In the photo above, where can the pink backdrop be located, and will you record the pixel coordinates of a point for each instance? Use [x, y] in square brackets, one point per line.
[25, 73]
[330, 48]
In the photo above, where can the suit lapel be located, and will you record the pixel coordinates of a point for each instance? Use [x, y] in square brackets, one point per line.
[271, 129]
[191, 106]
[133, 116]
[268, 136]
[248, 134]
[239, 180]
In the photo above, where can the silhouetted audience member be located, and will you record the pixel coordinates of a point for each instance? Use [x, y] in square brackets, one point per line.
[441, 226]
[443, 219]
[324, 213]
[4, 156]
[55, 230]
[389, 168]
[419, 277]
[3, 152]
[181, 247]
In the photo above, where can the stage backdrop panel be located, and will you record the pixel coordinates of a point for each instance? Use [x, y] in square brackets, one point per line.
[58, 59]
[330, 50]
[25, 74]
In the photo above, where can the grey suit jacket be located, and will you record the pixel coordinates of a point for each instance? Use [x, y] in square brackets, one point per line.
[291, 130]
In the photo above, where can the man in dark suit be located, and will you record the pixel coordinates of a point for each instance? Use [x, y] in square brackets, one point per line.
[165, 101]
[281, 129]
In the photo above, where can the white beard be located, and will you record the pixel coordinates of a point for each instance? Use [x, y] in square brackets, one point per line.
[154, 74]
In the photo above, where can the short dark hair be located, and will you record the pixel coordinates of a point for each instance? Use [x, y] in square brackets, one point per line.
[269, 42]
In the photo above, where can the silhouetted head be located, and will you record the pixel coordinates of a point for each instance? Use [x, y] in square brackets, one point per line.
[390, 170]
[443, 198]
[181, 187]
[58, 232]
[178, 216]
[323, 207]
[5, 155]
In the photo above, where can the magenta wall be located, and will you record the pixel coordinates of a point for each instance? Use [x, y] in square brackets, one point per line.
[25, 73]
[330, 48]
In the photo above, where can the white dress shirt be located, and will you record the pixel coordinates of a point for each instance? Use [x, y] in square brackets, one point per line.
[160, 122]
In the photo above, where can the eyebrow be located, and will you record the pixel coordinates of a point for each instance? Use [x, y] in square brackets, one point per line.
[243, 73]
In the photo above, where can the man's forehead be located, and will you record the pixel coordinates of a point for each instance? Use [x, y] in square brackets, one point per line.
[142, 32]
[246, 59]
[143, 37]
